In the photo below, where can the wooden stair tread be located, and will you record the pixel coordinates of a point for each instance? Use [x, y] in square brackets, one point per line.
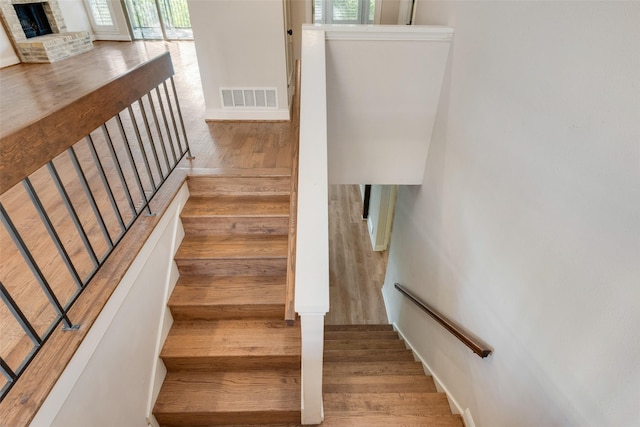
[257, 390]
[233, 247]
[361, 327]
[364, 344]
[368, 355]
[209, 185]
[379, 384]
[367, 419]
[227, 398]
[343, 368]
[388, 403]
[226, 338]
[360, 335]
[228, 290]
[237, 206]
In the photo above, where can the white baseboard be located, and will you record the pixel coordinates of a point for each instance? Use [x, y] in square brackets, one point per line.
[248, 114]
[8, 61]
[114, 37]
[456, 408]
[467, 419]
[166, 320]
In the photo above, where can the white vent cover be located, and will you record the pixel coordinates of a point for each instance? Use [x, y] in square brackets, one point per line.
[243, 97]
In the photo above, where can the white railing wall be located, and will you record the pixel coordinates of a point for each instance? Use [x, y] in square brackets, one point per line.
[312, 256]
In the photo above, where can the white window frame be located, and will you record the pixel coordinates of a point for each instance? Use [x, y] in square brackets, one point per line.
[363, 13]
[118, 30]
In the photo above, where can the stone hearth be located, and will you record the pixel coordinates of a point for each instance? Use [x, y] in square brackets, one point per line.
[48, 48]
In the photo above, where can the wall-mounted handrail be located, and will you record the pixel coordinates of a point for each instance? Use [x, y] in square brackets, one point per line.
[478, 346]
[88, 171]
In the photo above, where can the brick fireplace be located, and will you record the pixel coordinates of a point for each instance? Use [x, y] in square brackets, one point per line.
[23, 28]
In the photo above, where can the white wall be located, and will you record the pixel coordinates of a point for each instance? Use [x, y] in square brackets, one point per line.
[115, 374]
[526, 229]
[381, 207]
[383, 85]
[389, 12]
[7, 54]
[75, 15]
[240, 44]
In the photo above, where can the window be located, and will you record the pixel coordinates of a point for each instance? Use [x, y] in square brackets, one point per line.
[344, 11]
[100, 12]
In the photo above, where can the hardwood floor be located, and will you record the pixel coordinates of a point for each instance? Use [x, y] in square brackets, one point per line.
[356, 272]
[30, 91]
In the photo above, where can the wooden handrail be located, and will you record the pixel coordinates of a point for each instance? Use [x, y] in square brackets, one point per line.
[289, 309]
[25, 150]
[478, 346]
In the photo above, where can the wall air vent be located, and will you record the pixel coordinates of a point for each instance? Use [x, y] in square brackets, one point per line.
[239, 97]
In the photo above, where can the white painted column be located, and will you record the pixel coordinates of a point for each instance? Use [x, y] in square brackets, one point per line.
[312, 326]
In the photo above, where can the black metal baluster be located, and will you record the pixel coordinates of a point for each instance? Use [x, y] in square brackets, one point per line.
[166, 125]
[19, 316]
[52, 231]
[24, 251]
[89, 194]
[133, 164]
[151, 142]
[173, 118]
[120, 172]
[155, 119]
[7, 371]
[142, 150]
[184, 131]
[105, 181]
[74, 215]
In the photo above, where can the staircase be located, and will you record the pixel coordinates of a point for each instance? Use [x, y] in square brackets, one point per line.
[371, 379]
[230, 357]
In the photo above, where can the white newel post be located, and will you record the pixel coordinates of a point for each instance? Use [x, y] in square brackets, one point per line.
[312, 326]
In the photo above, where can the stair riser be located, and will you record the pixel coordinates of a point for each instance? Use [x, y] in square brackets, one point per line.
[364, 344]
[353, 328]
[390, 388]
[210, 186]
[220, 312]
[231, 363]
[233, 267]
[363, 420]
[341, 369]
[227, 418]
[379, 384]
[394, 403]
[212, 226]
[367, 356]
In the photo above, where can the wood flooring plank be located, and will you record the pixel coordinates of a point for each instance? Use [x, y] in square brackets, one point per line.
[368, 355]
[229, 267]
[234, 297]
[367, 419]
[357, 335]
[388, 403]
[232, 247]
[344, 368]
[364, 344]
[206, 186]
[234, 205]
[379, 384]
[231, 338]
[223, 398]
[358, 327]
